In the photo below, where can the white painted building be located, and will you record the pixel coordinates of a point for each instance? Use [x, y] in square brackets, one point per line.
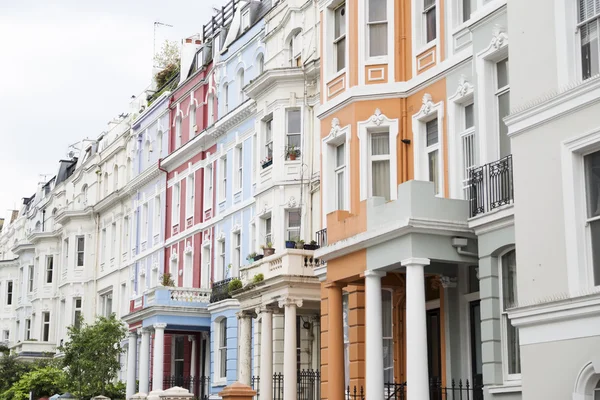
[555, 138]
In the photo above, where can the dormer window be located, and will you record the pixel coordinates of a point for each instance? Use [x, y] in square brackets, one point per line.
[245, 19]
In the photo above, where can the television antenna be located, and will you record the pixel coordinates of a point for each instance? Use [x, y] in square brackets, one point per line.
[156, 25]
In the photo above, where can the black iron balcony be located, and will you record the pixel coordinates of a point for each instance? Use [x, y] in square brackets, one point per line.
[321, 237]
[491, 186]
[220, 290]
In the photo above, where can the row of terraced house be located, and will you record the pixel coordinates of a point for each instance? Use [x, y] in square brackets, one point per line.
[319, 164]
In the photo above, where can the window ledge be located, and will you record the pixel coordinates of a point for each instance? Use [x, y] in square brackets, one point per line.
[508, 387]
[377, 60]
[220, 382]
[426, 47]
[237, 191]
[336, 75]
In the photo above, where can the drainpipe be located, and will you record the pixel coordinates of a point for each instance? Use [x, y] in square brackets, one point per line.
[459, 243]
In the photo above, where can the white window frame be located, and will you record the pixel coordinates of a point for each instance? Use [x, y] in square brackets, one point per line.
[192, 119]
[10, 288]
[240, 79]
[390, 338]
[190, 193]
[433, 148]
[268, 126]
[113, 234]
[66, 254]
[425, 10]
[144, 222]
[368, 31]
[104, 301]
[578, 247]
[335, 70]
[77, 311]
[205, 272]
[178, 134]
[104, 239]
[429, 111]
[295, 50]
[288, 111]
[176, 204]
[288, 229]
[223, 178]
[504, 322]
[49, 270]
[246, 19]
[337, 136]
[340, 195]
[239, 159]
[222, 249]
[221, 331]
[80, 250]
[499, 91]
[236, 250]
[210, 109]
[30, 278]
[579, 25]
[45, 325]
[268, 236]
[225, 98]
[208, 184]
[378, 122]
[156, 223]
[487, 114]
[28, 329]
[125, 236]
[375, 158]
[457, 134]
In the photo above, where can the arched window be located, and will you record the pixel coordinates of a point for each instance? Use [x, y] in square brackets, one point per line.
[177, 132]
[147, 150]
[587, 383]
[38, 226]
[225, 98]
[159, 147]
[115, 177]
[260, 64]
[129, 169]
[105, 183]
[295, 50]
[84, 190]
[241, 95]
[211, 109]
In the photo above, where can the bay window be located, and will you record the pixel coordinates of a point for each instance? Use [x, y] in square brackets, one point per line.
[380, 164]
[49, 269]
[377, 28]
[222, 349]
[592, 178]
[339, 40]
[433, 149]
[269, 139]
[588, 24]
[508, 299]
[429, 11]
[467, 139]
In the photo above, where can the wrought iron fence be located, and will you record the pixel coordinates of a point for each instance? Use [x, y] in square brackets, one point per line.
[321, 237]
[220, 290]
[277, 386]
[255, 385]
[491, 186]
[198, 385]
[457, 390]
[309, 385]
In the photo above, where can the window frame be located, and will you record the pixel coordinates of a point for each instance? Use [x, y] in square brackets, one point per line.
[391, 337]
[192, 118]
[49, 275]
[268, 229]
[288, 228]
[428, 112]
[80, 251]
[505, 321]
[176, 203]
[240, 79]
[222, 350]
[30, 278]
[580, 24]
[225, 91]
[9, 292]
[426, 9]
[430, 149]
[156, 229]
[106, 299]
[208, 182]
[45, 337]
[27, 329]
[377, 158]
[125, 236]
[144, 223]
[190, 193]
[178, 133]
[113, 240]
[342, 37]
[295, 50]
[223, 178]
[498, 92]
[370, 23]
[222, 248]
[239, 159]
[268, 147]
[289, 133]
[77, 311]
[340, 196]
[236, 241]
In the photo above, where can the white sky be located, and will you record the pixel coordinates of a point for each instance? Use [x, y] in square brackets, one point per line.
[67, 67]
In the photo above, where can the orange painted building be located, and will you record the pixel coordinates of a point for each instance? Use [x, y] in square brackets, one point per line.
[396, 148]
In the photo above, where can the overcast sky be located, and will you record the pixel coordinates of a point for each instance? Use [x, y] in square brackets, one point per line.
[66, 68]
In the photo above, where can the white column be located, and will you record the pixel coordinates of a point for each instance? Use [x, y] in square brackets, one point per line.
[131, 359]
[266, 353]
[290, 370]
[374, 335]
[144, 374]
[193, 362]
[159, 356]
[244, 373]
[416, 329]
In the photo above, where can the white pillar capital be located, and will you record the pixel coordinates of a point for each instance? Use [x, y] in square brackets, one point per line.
[133, 334]
[415, 261]
[264, 310]
[290, 302]
[191, 338]
[160, 325]
[374, 273]
[448, 281]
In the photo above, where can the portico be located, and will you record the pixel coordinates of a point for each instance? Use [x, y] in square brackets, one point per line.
[392, 298]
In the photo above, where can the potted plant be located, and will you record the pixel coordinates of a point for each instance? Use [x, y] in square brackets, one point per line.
[166, 280]
[266, 162]
[291, 244]
[291, 152]
[235, 284]
[258, 257]
[251, 257]
[258, 278]
[299, 244]
[311, 246]
[268, 249]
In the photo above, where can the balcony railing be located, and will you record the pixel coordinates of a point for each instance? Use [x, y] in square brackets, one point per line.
[220, 290]
[321, 237]
[197, 385]
[290, 262]
[456, 390]
[308, 385]
[491, 186]
[171, 296]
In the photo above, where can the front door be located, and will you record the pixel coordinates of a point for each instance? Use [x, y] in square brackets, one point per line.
[434, 344]
[178, 360]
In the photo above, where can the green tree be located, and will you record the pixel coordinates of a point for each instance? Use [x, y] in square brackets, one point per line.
[92, 356]
[11, 371]
[168, 54]
[42, 381]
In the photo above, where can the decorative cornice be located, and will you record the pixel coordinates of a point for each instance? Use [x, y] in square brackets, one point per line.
[499, 37]
[427, 105]
[464, 87]
[232, 119]
[288, 301]
[142, 179]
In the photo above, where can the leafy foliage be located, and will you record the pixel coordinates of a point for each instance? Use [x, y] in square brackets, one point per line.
[235, 284]
[168, 54]
[167, 280]
[42, 381]
[91, 356]
[166, 74]
[258, 278]
[11, 371]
